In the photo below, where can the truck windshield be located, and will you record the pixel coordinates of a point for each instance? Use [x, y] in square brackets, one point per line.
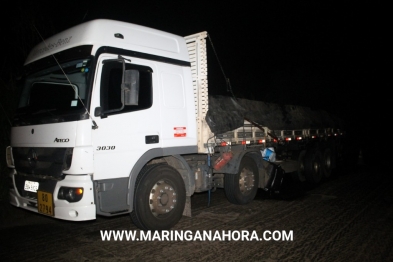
[55, 91]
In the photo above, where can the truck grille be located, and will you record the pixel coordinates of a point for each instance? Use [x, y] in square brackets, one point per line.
[42, 161]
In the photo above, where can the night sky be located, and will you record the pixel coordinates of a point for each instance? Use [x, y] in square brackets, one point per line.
[321, 54]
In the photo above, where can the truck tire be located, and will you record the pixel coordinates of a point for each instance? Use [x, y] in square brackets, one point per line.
[159, 198]
[312, 166]
[301, 171]
[327, 163]
[242, 187]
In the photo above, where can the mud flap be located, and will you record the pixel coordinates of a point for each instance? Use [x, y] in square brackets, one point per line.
[282, 184]
[276, 177]
[187, 207]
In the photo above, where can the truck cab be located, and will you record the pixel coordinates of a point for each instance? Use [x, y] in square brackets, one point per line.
[98, 102]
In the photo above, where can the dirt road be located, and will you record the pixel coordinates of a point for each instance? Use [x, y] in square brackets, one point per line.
[348, 218]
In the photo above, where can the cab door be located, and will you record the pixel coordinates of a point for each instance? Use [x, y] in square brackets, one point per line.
[123, 134]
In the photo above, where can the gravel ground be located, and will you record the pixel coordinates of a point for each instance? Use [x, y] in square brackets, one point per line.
[347, 218]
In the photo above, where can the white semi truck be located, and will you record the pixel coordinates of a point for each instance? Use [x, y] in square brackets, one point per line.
[116, 118]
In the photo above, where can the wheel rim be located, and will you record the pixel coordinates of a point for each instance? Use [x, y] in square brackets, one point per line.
[162, 199]
[246, 181]
[327, 161]
[302, 168]
[316, 167]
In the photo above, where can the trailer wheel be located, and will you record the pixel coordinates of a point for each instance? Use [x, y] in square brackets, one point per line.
[301, 171]
[327, 164]
[312, 166]
[159, 199]
[242, 187]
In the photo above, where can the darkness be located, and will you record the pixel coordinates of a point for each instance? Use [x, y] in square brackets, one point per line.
[325, 55]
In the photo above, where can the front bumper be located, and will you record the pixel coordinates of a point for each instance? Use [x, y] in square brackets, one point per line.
[85, 209]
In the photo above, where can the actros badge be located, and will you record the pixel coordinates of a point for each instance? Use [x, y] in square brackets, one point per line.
[61, 140]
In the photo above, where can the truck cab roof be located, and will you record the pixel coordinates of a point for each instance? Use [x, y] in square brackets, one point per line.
[104, 32]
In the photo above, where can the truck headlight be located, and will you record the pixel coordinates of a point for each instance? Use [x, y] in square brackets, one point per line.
[9, 157]
[71, 194]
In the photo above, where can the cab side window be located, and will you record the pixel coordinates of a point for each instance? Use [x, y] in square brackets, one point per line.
[112, 74]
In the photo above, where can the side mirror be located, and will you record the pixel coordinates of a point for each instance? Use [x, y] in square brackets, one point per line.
[98, 111]
[131, 87]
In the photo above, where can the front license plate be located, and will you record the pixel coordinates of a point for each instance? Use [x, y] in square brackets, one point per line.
[31, 186]
[45, 203]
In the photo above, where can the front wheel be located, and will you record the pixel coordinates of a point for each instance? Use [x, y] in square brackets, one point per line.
[242, 187]
[159, 199]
